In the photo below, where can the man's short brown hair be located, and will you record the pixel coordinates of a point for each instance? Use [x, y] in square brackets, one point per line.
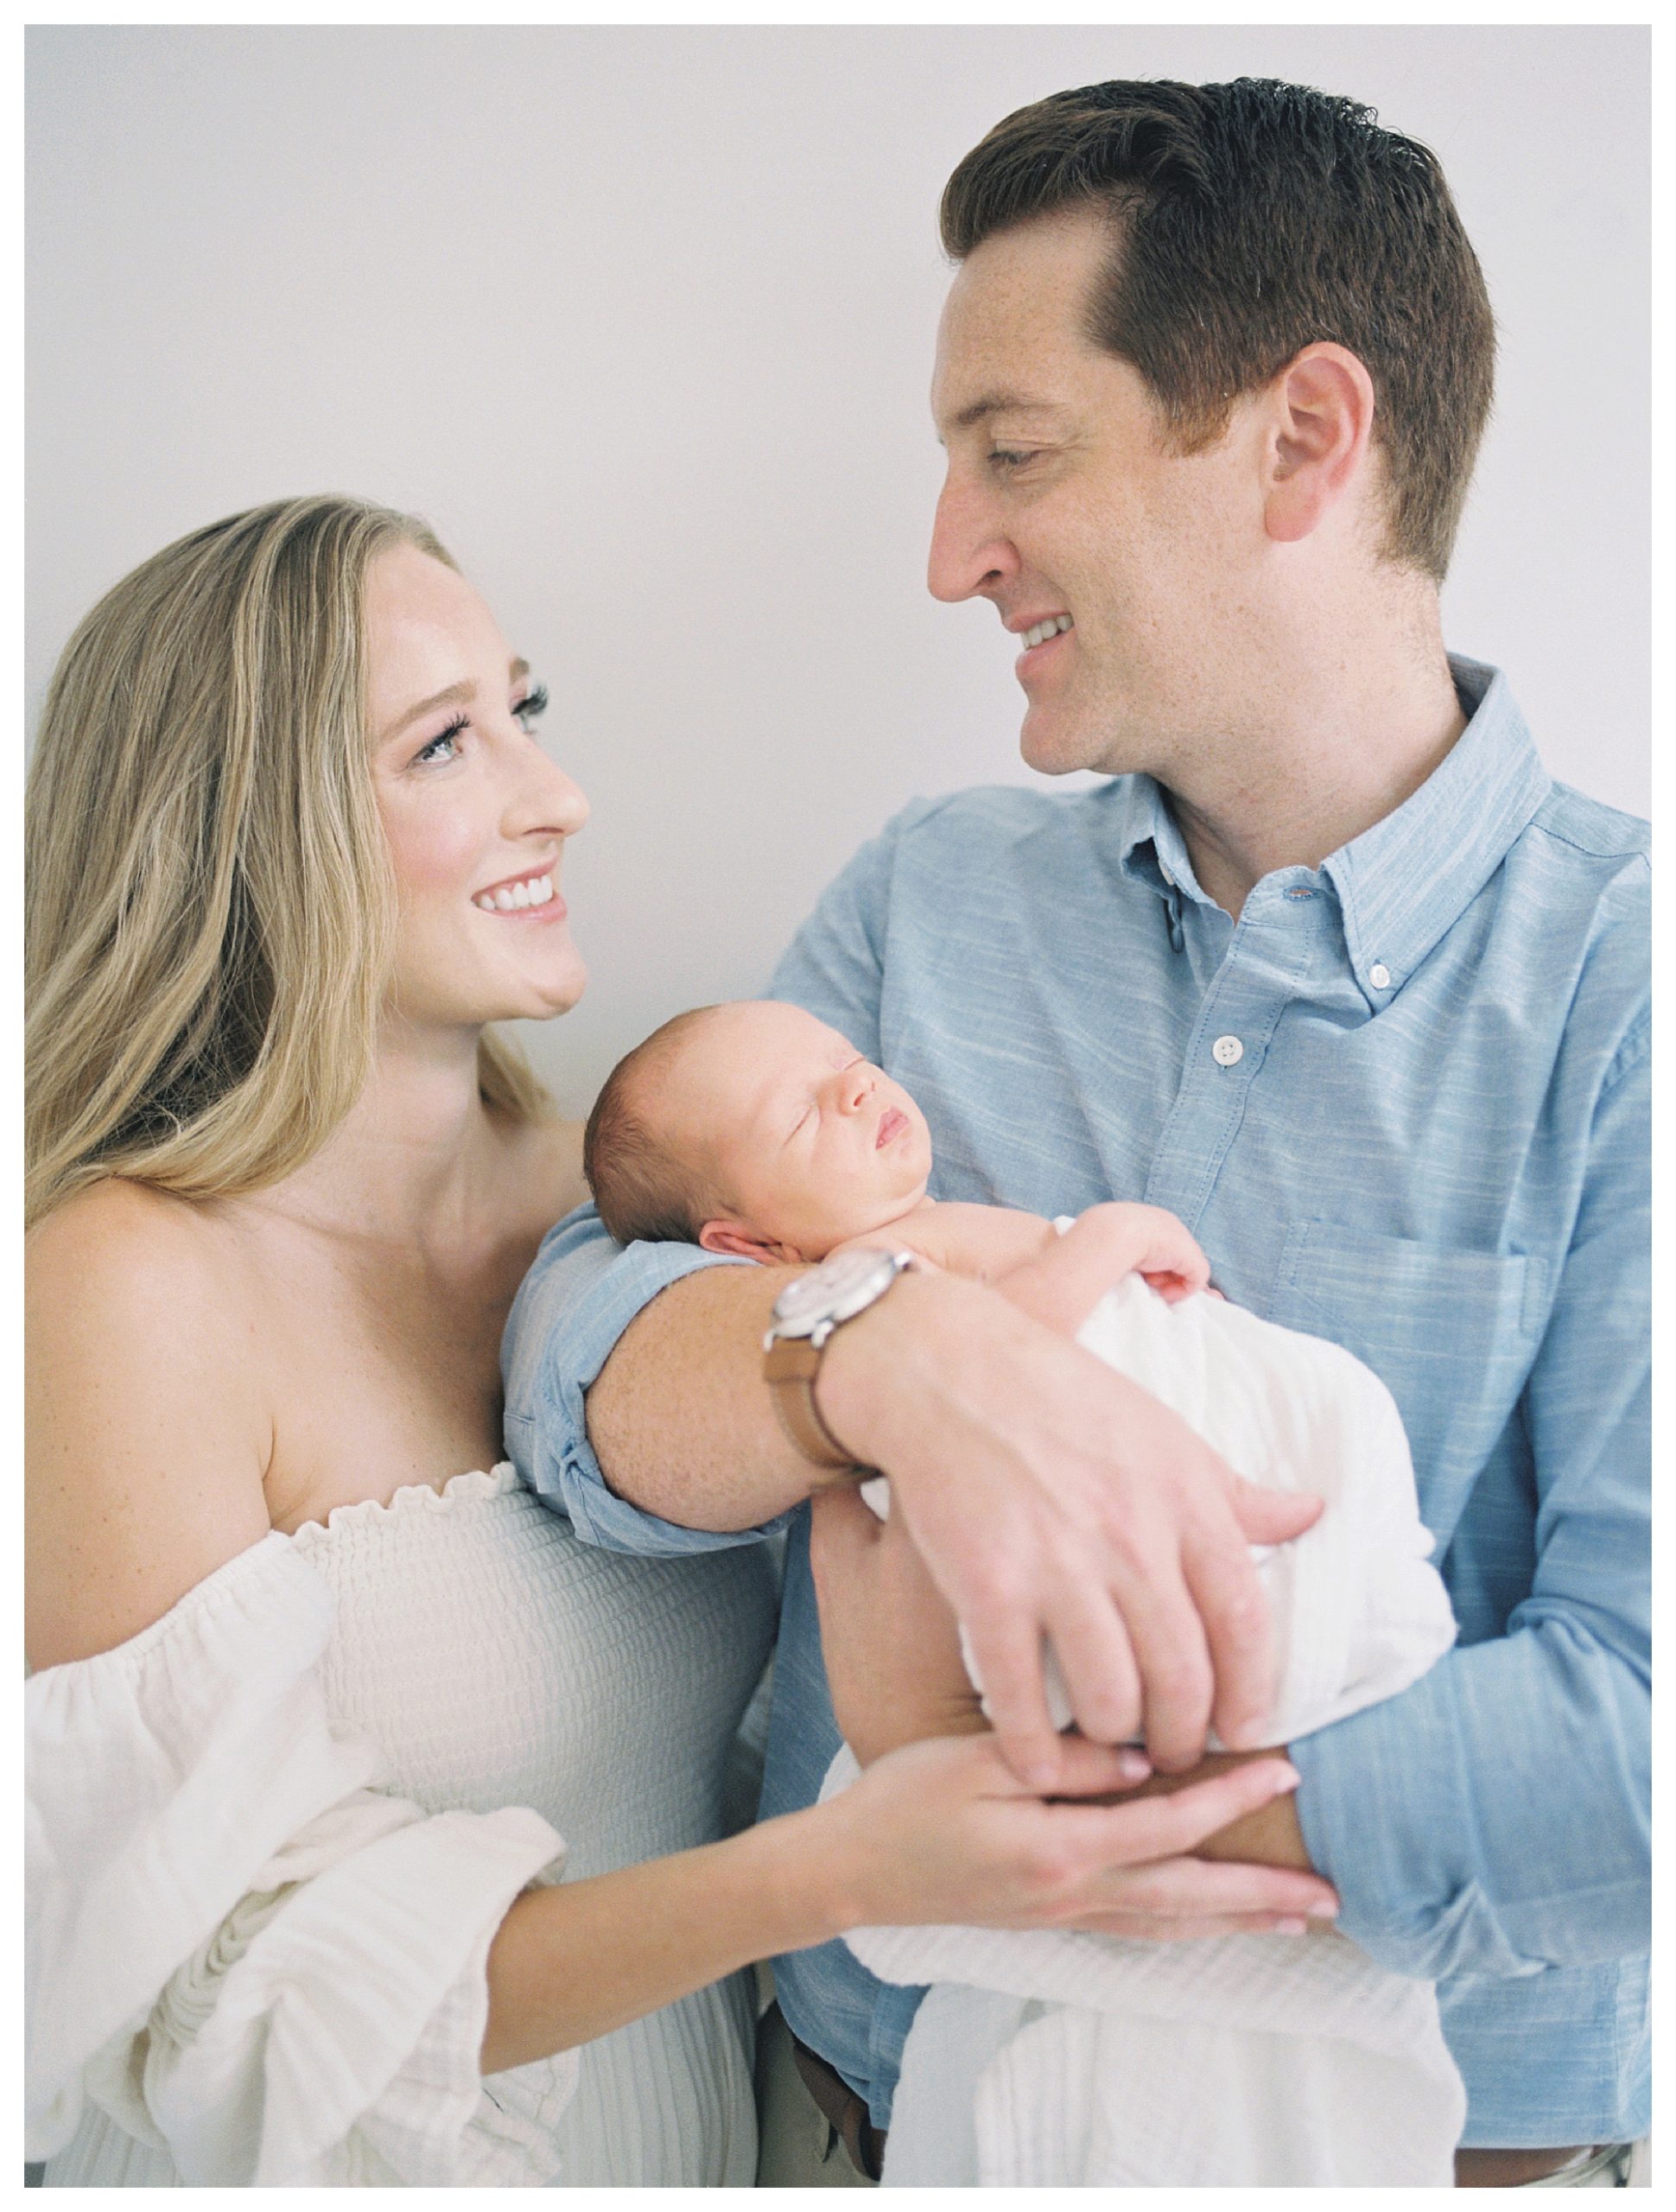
[1249, 220]
[644, 1186]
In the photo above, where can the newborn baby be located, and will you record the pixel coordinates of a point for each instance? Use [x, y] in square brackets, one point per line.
[1052, 2059]
[752, 1128]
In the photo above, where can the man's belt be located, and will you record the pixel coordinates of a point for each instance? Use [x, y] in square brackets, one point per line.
[842, 2109]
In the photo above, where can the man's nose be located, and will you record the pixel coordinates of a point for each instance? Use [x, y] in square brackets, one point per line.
[969, 552]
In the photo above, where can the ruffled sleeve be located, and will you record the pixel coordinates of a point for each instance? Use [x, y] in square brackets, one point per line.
[243, 1950]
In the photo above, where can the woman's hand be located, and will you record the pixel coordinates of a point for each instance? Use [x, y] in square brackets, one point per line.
[943, 1832]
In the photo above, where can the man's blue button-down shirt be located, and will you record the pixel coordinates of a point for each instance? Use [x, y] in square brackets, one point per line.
[1432, 1145]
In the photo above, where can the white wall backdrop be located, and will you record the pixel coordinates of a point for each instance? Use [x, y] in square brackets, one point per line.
[642, 319]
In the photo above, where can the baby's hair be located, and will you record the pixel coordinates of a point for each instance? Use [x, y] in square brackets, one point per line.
[644, 1189]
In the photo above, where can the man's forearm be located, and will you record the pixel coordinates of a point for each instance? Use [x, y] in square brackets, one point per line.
[680, 1418]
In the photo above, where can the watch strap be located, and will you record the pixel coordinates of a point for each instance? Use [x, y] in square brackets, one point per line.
[789, 1366]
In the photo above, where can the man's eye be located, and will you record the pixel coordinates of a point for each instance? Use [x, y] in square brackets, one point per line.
[530, 709]
[1006, 457]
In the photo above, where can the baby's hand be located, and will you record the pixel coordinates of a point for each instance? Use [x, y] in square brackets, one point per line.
[1063, 1285]
[1144, 1241]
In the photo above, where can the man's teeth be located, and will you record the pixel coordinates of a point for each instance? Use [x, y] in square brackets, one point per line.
[1040, 633]
[536, 891]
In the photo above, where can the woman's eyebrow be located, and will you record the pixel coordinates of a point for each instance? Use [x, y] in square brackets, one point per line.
[457, 694]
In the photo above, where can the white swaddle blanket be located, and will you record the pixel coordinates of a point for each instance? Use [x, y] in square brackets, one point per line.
[1054, 2058]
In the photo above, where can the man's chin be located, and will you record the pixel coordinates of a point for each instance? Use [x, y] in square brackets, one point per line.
[1055, 741]
[1052, 744]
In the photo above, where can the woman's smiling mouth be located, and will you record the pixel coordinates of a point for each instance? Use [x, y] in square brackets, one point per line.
[527, 894]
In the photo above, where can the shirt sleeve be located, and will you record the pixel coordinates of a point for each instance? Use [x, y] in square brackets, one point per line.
[242, 1949]
[1494, 1818]
[834, 966]
[575, 1303]
[585, 1289]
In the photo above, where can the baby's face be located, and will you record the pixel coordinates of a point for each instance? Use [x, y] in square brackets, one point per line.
[808, 1143]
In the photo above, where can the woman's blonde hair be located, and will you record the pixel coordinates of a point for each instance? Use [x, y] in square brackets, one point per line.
[210, 910]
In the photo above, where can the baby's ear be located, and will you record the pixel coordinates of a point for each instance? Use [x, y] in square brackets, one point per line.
[728, 1236]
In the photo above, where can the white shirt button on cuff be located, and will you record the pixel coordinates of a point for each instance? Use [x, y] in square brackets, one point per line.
[1379, 976]
[1227, 1050]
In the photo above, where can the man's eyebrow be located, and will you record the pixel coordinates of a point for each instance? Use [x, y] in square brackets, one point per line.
[457, 694]
[1001, 402]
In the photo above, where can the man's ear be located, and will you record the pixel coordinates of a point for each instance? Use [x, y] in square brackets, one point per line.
[1322, 426]
[728, 1236]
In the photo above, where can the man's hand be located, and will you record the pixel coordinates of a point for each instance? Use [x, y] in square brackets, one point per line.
[1052, 1497]
[892, 1660]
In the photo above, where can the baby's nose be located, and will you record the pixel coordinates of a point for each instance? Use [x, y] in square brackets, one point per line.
[857, 1083]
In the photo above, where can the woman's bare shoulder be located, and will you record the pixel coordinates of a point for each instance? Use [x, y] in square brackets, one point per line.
[548, 1157]
[147, 1434]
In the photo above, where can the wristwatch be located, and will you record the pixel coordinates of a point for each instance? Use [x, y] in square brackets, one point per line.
[805, 1314]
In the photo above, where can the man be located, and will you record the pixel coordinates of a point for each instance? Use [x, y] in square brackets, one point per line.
[1333, 971]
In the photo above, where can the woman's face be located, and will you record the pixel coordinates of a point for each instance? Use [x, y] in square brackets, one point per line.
[475, 812]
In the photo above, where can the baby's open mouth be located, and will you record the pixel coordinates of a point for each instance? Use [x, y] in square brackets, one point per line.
[891, 1123]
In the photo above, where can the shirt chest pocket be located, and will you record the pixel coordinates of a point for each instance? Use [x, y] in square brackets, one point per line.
[1451, 1334]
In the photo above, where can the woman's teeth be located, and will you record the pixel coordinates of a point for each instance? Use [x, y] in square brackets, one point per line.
[1039, 632]
[536, 891]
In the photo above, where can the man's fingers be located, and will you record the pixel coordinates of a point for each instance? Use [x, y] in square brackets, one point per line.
[1172, 1658]
[1007, 1652]
[1272, 1516]
[1088, 1636]
[1235, 1615]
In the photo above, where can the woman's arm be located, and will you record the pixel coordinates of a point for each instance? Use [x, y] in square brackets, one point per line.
[147, 1434]
[939, 1832]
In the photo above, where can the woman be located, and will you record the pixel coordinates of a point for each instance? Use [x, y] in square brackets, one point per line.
[313, 1705]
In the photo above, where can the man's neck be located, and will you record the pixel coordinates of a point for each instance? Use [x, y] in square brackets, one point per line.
[1342, 740]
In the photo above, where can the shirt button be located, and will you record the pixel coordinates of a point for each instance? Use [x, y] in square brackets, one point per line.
[1227, 1050]
[1379, 976]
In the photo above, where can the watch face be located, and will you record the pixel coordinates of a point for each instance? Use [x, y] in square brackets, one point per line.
[839, 1287]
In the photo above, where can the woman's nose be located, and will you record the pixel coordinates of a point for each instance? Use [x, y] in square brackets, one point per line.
[545, 798]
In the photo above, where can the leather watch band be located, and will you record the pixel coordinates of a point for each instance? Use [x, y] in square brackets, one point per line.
[789, 1367]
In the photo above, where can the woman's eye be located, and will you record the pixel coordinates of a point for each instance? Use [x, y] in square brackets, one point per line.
[429, 756]
[530, 709]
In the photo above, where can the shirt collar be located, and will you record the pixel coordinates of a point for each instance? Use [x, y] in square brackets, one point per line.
[1402, 884]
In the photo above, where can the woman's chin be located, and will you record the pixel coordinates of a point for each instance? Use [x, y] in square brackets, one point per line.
[550, 995]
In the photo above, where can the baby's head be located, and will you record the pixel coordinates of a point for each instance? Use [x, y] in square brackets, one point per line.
[753, 1128]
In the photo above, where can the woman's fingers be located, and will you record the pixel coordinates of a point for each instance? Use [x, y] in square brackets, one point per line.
[1168, 1825]
[1207, 1888]
[1180, 1928]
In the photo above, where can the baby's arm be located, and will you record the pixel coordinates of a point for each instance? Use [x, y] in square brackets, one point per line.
[1063, 1281]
